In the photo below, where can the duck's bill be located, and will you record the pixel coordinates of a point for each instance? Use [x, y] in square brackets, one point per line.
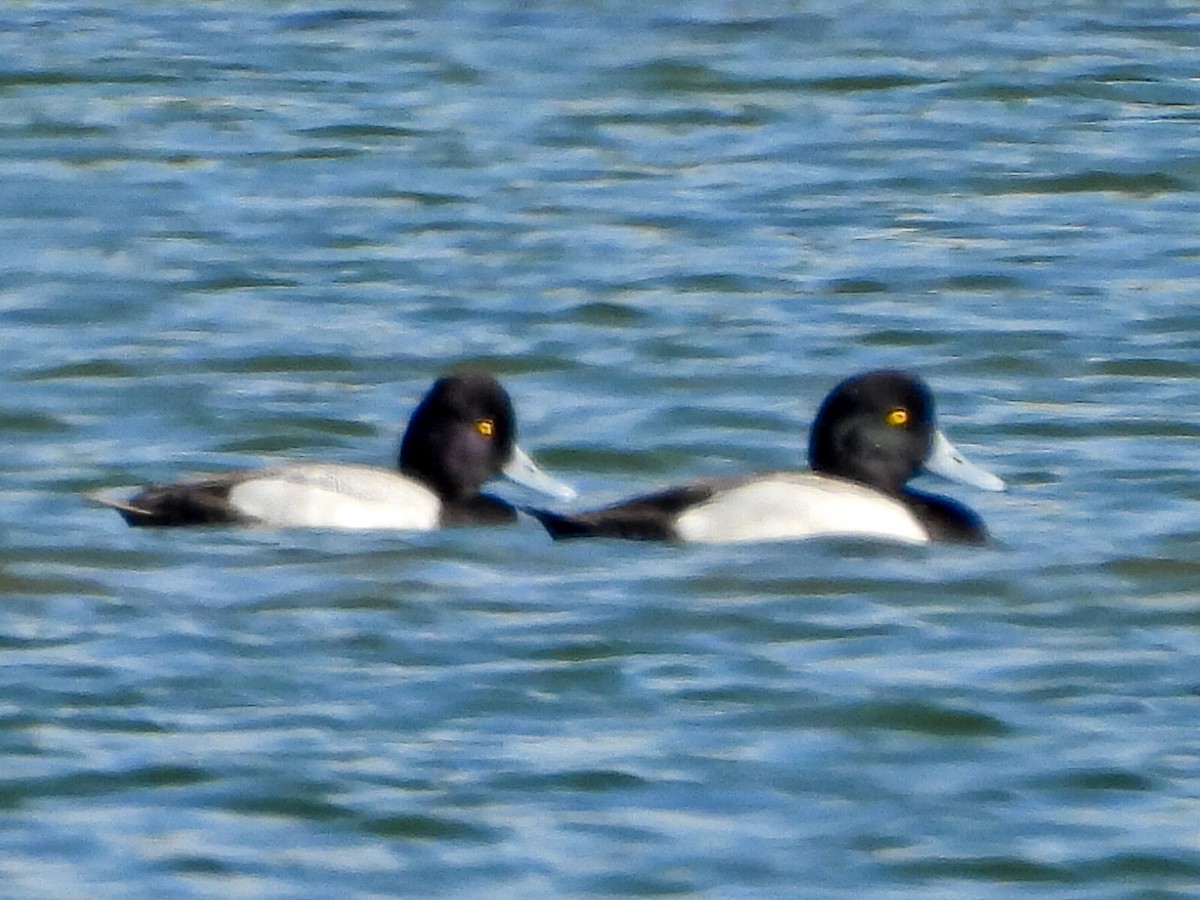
[947, 461]
[524, 471]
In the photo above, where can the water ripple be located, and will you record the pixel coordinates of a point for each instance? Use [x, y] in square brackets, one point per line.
[249, 232]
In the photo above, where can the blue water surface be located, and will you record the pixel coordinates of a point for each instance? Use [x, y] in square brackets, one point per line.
[238, 232]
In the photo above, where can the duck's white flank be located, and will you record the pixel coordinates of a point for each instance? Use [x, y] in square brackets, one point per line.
[327, 495]
[787, 506]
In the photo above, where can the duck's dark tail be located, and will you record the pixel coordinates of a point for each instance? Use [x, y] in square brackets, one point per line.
[650, 517]
[184, 503]
[560, 527]
[133, 515]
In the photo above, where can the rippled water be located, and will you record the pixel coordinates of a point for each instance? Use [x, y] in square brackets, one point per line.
[233, 232]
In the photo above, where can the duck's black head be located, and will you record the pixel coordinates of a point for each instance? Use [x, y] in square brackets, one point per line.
[460, 435]
[876, 428]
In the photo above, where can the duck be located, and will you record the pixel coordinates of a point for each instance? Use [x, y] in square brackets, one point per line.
[872, 434]
[460, 435]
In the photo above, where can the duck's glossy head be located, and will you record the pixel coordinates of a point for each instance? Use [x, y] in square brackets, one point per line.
[463, 433]
[879, 428]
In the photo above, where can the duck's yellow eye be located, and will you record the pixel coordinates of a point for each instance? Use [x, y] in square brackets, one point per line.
[897, 417]
[485, 427]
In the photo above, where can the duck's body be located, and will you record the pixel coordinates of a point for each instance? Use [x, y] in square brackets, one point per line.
[460, 435]
[303, 495]
[871, 435]
[773, 506]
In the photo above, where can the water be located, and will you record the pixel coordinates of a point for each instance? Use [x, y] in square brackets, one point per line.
[236, 232]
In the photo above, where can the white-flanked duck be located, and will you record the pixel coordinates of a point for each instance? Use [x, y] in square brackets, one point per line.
[462, 434]
[871, 435]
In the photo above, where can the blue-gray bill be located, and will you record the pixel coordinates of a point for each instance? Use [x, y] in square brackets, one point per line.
[522, 470]
[947, 461]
